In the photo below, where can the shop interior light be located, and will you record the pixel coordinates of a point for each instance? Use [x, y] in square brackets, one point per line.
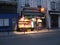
[42, 9]
[43, 17]
[33, 19]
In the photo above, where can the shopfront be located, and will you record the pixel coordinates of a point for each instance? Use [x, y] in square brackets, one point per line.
[36, 16]
[55, 19]
[8, 21]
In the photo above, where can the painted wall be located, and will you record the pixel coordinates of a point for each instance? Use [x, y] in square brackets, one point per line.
[10, 17]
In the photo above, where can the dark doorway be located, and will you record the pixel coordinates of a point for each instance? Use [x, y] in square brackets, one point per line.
[54, 21]
[44, 23]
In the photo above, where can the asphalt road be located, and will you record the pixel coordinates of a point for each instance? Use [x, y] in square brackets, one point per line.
[47, 38]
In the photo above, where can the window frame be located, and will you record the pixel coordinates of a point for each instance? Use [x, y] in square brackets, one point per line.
[6, 23]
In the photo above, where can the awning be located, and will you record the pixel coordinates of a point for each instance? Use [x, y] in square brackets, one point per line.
[33, 14]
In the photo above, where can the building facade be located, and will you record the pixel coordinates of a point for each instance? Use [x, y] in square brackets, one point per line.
[52, 9]
[54, 13]
[51, 6]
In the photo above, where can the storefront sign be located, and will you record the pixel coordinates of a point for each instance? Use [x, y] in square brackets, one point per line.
[54, 12]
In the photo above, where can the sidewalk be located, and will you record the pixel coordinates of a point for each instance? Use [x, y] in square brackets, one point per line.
[31, 32]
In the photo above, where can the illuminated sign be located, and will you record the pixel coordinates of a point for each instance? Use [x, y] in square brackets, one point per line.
[25, 23]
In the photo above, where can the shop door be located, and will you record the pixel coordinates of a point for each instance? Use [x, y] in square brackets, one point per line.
[54, 21]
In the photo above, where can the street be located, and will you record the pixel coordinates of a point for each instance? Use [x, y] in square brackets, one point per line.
[45, 38]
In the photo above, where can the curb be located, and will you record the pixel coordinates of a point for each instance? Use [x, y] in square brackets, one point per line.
[19, 33]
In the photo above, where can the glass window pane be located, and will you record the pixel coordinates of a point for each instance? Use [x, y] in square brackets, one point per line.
[53, 5]
[6, 22]
[1, 22]
[58, 6]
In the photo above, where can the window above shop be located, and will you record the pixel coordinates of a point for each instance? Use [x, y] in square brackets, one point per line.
[53, 5]
[58, 6]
